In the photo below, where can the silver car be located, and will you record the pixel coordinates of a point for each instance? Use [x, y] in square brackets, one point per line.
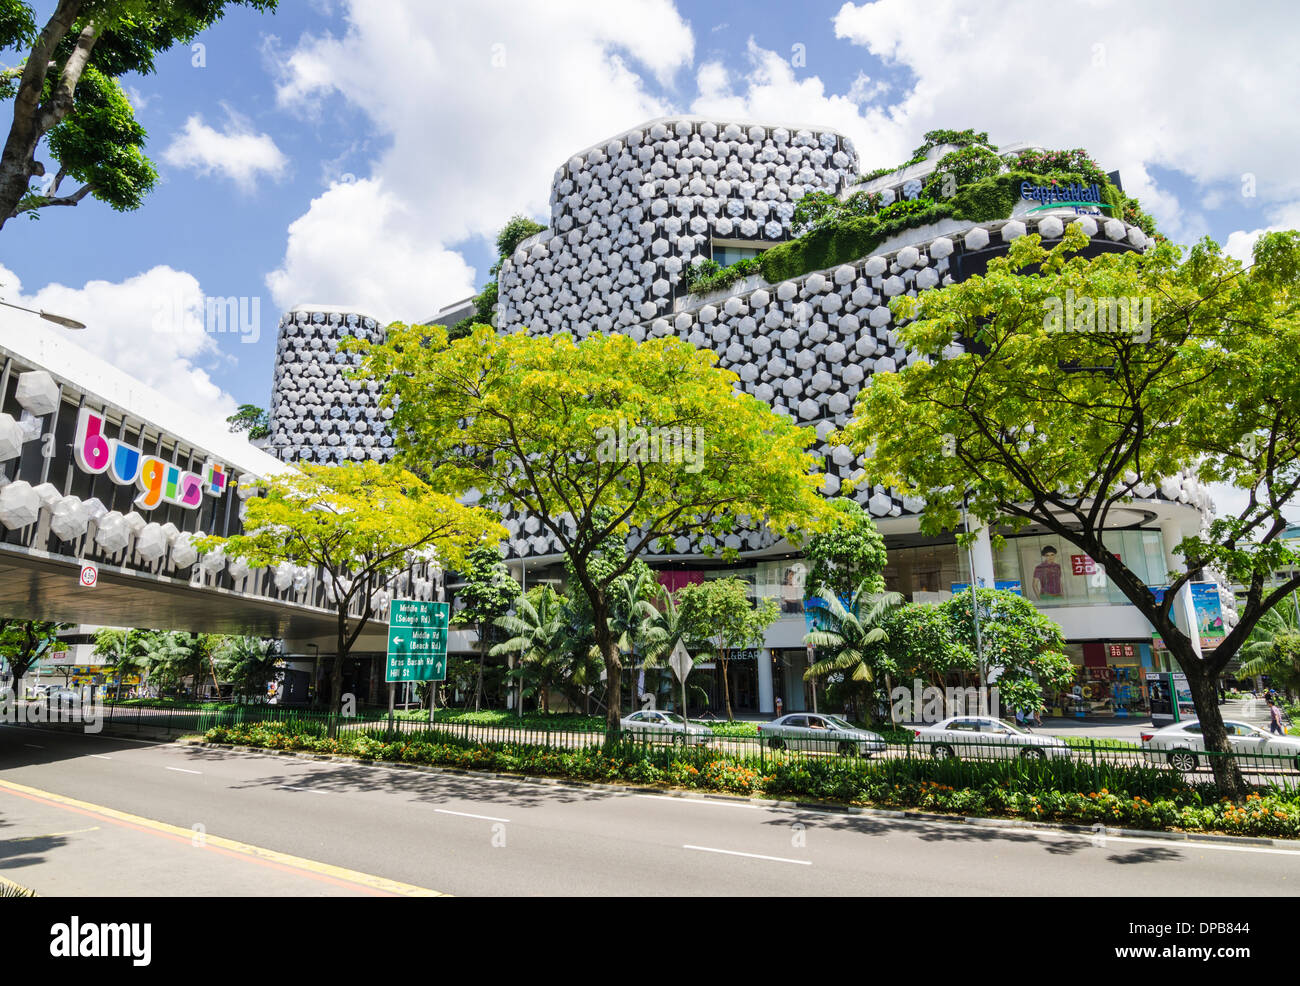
[822, 733]
[653, 725]
[1180, 743]
[984, 737]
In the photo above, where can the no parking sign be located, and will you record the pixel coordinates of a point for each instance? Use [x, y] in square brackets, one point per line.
[89, 575]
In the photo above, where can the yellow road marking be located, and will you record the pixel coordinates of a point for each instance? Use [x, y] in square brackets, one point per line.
[326, 872]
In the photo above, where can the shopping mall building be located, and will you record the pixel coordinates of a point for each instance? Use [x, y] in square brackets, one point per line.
[628, 217]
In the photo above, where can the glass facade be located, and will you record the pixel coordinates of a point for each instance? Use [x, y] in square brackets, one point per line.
[1055, 573]
[926, 574]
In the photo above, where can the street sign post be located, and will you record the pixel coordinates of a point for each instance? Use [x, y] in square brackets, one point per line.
[417, 641]
[681, 662]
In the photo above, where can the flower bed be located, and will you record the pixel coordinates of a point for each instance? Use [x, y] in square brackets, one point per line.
[1058, 791]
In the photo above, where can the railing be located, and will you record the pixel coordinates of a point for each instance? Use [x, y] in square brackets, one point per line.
[1096, 764]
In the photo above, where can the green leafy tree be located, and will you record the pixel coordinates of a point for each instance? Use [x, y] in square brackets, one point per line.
[848, 553]
[1039, 425]
[540, 424]
[176, 661]
[66, 95]
[852, 640]
[722, 608]
[536, 635]
[669, 626]
[1021, 646]
[487, 595]
[920, 644]
[122, 650]
[1273, 648]
[24, 642]
[252, 419]
[362, 525]
[249, 664]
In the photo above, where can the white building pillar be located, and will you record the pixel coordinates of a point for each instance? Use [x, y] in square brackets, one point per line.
[1171, 532]
[982, 559]
[766, 704]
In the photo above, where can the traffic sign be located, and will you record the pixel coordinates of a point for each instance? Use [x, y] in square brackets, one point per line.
[417, 641]
[681, 662]
[89, 575]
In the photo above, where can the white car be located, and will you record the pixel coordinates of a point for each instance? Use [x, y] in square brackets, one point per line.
[1180, 743]
[984, 737]
[653, 725]
[822, 733]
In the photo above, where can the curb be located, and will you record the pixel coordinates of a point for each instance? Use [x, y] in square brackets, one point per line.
[824, 807]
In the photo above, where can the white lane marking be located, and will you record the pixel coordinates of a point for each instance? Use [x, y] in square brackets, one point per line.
[751, 855]
[1196, 844]
[466, 814]
[707, 801]
[182, 770]
[34, 746]
[101, 756]
[305, 790]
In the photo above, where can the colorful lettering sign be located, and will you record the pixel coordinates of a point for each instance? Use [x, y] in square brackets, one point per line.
[158, 480]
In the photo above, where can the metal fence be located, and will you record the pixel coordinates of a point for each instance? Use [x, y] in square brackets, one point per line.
[1093, 764]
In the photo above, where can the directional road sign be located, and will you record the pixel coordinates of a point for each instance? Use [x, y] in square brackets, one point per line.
[417, 641]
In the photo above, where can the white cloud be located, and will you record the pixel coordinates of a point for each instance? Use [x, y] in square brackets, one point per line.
[360, 245]
[1241, 243]
[1142, 86]
[236, 153]
[502, 94]
[150, 326]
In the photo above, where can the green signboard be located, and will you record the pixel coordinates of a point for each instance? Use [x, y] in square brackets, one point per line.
[417, 641]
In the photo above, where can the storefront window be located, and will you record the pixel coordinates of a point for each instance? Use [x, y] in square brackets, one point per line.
[926, 574]
[783, 581]
[1055, 573]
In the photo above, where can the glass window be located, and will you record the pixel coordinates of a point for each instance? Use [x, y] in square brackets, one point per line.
[783, 581]
[968, 725]
[725, 254]
[925, 573]
[799, 721]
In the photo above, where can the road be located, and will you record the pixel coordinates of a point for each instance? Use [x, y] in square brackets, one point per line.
[275, 825]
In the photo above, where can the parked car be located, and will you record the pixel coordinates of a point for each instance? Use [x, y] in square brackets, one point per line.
[984, 737]
[666, 727]
[824, 733]
[1180, 743]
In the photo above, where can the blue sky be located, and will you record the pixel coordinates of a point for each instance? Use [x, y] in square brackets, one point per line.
[363, 152]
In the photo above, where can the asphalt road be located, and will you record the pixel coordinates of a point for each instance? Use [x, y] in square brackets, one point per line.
[274, 825]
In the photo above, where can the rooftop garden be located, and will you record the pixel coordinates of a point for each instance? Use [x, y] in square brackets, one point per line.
[972, 183]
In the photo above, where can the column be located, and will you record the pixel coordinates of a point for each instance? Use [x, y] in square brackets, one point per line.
[765, 703]
[982, 558]
[1171, 532]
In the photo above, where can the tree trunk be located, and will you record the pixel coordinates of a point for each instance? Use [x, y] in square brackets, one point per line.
[613, 669]
[1227, 773]
[726, 684]
[482, 658]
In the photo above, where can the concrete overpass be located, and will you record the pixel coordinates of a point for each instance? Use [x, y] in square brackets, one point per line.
[97, 467]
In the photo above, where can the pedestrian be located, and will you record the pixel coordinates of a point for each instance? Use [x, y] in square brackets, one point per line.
[778, 706]
[1275, 718]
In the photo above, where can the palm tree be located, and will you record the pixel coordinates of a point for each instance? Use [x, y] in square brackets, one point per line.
[856, 631]
[630, 613]
[122, 651]
[536, 635]
[1273, 649]
[249, 664]
[665, 630]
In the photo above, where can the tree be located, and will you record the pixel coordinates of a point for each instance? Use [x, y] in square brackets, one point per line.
[488, 593]
[1021, 646]
[252, 419]
[919, 643]
[669, 626]
[537, 636]
[514, 232]
[849, 552]
[722, 609]
[1035, 424]
[1273, 648]
[24, 642]
[249, 664]
[362, 525]
[177, 661]
[653, 434]
[851, 641]
[66, 94]
[122, 650]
